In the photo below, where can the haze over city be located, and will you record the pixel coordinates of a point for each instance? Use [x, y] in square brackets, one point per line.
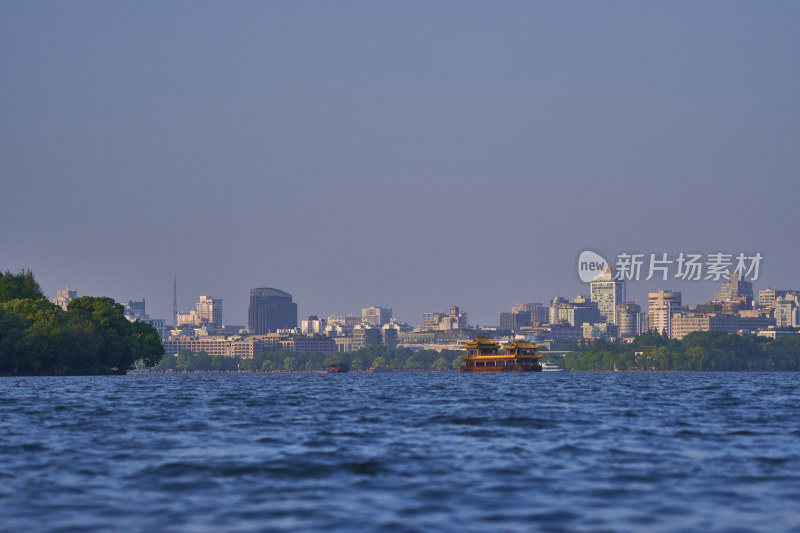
[405, 155]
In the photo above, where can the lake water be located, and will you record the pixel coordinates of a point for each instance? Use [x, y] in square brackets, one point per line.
[401, 452]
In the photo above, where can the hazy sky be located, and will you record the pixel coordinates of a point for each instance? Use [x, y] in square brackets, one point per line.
[408, 154]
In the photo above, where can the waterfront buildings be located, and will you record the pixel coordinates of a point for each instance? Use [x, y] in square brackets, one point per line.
[365, 335]
[607, 292]
[734, 288]
[682, 325]
[377, 316]
[271, 310]
[766, 297]
[246, 347]
[575, 313]
[629, 319]
[536, 311]
[601, 330]
[187, 319]
[209, 311]
[552, 311]
[453, 319]
[523, 315]
[313, 326]
[661, 306]
[786, 311]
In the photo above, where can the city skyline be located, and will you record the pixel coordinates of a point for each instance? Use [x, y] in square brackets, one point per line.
[412, 156]
[597, 296]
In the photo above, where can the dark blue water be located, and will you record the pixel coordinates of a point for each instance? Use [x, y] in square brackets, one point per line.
[401, 452]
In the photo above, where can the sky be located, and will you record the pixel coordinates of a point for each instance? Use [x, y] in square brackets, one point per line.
[411, 155]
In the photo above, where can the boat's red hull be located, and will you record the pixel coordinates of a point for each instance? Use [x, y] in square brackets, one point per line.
[497, 369]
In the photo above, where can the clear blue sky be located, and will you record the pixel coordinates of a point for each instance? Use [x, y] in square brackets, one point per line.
[404, 154]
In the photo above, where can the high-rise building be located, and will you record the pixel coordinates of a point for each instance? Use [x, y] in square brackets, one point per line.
[552, 311]
[733, 289]
[271, 310]
[661, 306]
[629, 319]
[430, 321]
[536, 313]
[786, 310]
[523, 315]
[576, 313]
[209, 311]
[607, 292]
[767, 297]
[313, 326]
[377, 316]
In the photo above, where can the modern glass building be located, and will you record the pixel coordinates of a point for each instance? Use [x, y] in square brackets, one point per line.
[271, 310]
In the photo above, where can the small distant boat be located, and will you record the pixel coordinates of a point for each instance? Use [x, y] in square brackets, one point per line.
[551, 367]
[337, 369]
[374, 368]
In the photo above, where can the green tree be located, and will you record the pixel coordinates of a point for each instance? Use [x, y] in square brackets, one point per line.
[202, 361]
[168, 362]
[441, 364]
[185, 360]
[145, 344]
[21, 286]
[115, 353]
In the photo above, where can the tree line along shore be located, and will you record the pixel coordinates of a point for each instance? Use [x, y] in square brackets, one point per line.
[400, 358]
[92, 337]
[697, 351]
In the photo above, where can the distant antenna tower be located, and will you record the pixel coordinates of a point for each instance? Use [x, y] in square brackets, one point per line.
[175, 300]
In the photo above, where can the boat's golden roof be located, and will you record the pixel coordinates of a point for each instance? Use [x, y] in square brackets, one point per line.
[524, 345]
[485, 342]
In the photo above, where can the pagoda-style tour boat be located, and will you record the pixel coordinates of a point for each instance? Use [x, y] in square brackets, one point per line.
[484, 355]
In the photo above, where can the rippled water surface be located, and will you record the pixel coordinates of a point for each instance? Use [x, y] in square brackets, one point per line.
[401, 452]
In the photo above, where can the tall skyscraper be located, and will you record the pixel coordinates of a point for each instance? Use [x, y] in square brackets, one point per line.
[661, 306]
[607, 293]
[271, 310]
[209, 311]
